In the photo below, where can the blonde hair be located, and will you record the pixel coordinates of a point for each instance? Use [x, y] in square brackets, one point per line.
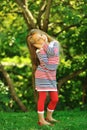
[32, 49]
[33, 31]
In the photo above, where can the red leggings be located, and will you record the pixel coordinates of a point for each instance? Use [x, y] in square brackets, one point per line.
[53, 101]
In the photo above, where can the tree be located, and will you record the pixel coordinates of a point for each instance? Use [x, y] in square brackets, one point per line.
[65, 20]
[30, 20]
[12, 90]
[69, 22]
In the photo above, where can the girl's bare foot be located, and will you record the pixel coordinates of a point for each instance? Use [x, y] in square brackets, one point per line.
[51, 120]
[44, 123]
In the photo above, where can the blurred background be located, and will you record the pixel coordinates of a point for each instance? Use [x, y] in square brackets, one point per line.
[66, 20]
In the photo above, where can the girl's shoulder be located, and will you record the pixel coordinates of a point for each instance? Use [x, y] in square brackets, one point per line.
[53, 43]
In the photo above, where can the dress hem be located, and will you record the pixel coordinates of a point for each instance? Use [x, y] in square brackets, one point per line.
[45, 90]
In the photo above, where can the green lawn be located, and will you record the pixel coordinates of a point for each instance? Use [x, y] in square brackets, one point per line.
[69, 120]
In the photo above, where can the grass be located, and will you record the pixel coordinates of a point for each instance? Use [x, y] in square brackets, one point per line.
[69, 120]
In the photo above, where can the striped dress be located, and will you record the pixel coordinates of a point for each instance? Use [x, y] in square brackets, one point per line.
[45, 75]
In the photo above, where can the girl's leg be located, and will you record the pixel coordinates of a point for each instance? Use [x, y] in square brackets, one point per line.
[41, 101]
[40, 108]
[52, 104]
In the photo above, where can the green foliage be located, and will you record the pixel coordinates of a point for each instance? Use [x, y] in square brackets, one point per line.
[12, 36]
[71, 94]
[4, 97]
[68, 23]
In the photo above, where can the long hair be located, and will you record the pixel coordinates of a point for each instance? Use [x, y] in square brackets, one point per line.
[32, 49]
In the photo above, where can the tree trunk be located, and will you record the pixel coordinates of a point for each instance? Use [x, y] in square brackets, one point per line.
[66, 78]
[46, 16]
[12, 90]
[84, 96]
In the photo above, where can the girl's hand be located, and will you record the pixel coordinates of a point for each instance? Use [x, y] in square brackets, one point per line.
[38, 46]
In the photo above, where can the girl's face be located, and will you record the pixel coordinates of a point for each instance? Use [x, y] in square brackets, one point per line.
[39, 40]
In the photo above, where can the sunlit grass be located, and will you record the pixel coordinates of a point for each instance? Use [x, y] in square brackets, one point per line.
[69, 120]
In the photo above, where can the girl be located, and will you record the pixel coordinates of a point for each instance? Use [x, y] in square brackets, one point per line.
[45, 49]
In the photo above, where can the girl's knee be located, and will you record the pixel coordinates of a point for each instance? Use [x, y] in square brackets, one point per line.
[56, 99]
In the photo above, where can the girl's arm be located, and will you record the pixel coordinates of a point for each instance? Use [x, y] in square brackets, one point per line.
[52, 49]
[48, 60]
[42, 56]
